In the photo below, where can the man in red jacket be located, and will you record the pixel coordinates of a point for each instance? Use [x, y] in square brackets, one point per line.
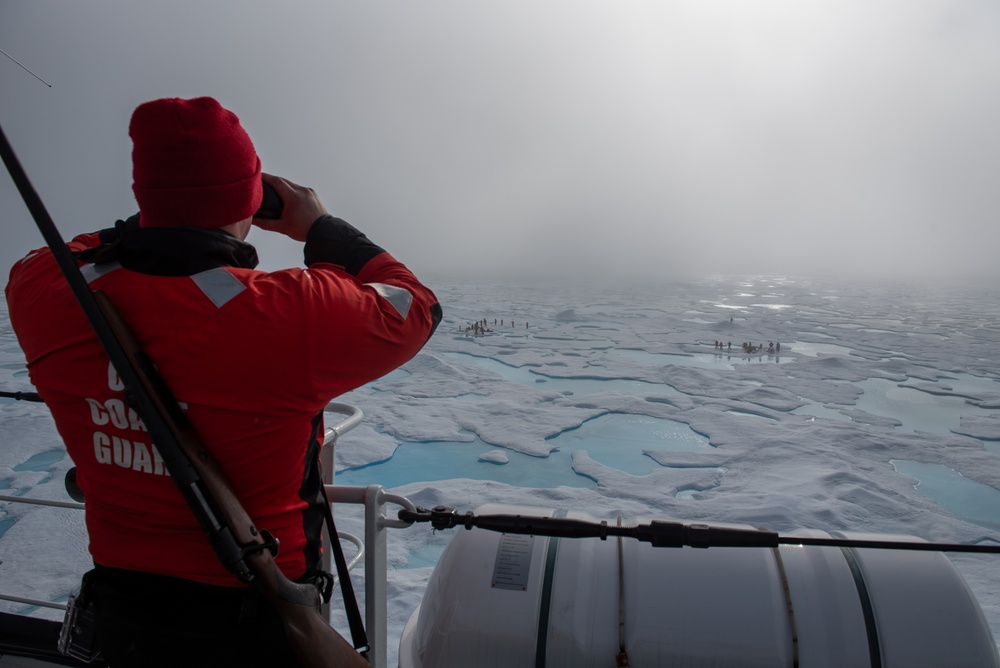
[252, 356]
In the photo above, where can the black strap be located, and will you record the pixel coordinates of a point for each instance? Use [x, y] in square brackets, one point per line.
[21, 396]
[354, 620]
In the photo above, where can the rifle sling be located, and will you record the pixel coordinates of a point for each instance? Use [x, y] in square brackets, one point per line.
[358, 635]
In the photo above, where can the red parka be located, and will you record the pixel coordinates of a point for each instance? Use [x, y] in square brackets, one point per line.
[252, 356]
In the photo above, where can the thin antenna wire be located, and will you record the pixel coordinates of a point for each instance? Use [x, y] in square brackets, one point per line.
[26, 69]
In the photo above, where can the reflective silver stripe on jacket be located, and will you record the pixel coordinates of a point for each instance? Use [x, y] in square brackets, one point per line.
[92, 272]
[400, 298]
[218, 285]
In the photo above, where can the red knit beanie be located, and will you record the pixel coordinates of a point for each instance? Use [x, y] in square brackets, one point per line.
[193, 165]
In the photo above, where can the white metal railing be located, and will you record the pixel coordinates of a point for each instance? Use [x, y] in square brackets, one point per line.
[41, 502]
[372, 548]
[37, 502]
[374, 498]
[352, 417]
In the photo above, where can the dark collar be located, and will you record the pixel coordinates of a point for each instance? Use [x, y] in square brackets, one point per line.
[174, 251]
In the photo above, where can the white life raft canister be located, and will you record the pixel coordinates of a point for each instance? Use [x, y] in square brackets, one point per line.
[508, 600]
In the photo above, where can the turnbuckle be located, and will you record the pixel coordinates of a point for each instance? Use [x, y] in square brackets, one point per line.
[440, 517]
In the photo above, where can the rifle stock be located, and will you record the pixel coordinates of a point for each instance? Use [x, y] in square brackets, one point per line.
[241, 546]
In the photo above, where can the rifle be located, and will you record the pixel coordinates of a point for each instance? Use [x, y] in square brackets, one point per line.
[246, 551]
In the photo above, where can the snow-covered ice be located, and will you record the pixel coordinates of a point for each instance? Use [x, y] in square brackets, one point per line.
[874, 387]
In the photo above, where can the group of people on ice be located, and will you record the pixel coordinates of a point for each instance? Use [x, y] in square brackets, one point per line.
[482, 327]
[747, 347]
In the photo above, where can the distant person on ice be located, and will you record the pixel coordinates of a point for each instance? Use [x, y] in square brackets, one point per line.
[253, 356]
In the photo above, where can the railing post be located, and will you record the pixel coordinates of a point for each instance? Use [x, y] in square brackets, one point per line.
[376, 580]
[352, 416]
[374, 498]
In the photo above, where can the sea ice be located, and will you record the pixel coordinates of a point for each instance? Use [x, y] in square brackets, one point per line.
[495, 456]
[795, 439]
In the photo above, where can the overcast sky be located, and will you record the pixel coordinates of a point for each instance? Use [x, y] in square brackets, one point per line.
[608, 139]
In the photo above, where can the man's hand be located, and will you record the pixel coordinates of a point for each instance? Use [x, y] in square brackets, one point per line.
[301, 209]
